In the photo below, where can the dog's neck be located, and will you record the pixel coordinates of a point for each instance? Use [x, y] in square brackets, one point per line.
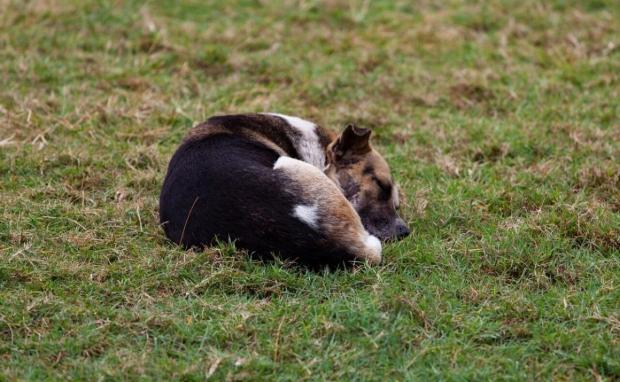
[309, 139]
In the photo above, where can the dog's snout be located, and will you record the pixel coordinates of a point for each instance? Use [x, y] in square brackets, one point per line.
[402, 231]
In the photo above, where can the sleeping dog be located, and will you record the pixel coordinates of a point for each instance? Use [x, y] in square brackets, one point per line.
[280, 184]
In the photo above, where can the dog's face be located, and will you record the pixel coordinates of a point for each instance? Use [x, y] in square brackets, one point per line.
[364, 176]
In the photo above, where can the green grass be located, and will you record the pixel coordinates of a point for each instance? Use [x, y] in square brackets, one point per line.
[500, 119]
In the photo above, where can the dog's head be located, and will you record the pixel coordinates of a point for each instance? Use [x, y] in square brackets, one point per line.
[364, 177]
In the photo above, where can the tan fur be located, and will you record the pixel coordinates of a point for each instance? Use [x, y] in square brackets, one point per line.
[264, 140]
[355, 169]
[206, 130]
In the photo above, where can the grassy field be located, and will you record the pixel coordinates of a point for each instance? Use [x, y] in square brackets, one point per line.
[501, 120]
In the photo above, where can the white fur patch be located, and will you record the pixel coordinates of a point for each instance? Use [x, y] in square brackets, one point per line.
[292, 165]
[286, 162]
[307, 214]
[373, 244]
[308, 146]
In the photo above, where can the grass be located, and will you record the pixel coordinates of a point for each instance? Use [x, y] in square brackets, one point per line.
[501, 120]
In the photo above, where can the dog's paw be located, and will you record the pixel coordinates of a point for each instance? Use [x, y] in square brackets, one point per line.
[372, 250]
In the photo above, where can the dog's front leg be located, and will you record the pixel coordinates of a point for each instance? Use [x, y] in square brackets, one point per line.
[323, 207]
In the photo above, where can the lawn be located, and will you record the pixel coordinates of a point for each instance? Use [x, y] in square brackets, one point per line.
[500, 119]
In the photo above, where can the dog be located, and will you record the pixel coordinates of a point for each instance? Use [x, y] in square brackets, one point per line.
[277, 184]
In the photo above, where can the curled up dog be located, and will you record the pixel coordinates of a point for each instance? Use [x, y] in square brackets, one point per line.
[280, 184]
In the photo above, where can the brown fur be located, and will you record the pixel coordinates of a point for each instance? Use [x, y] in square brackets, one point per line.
[208, 129]
[263, 128]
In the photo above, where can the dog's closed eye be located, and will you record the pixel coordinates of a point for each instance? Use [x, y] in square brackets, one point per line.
[385, 188]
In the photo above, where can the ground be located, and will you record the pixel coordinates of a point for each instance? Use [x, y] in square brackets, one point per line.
[500, 119]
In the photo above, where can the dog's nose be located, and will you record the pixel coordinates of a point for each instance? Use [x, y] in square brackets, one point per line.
[402, 231]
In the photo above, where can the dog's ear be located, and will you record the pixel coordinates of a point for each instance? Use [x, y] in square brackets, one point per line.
[352, 143]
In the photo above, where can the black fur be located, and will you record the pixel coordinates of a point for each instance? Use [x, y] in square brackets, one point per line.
[224, 186]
